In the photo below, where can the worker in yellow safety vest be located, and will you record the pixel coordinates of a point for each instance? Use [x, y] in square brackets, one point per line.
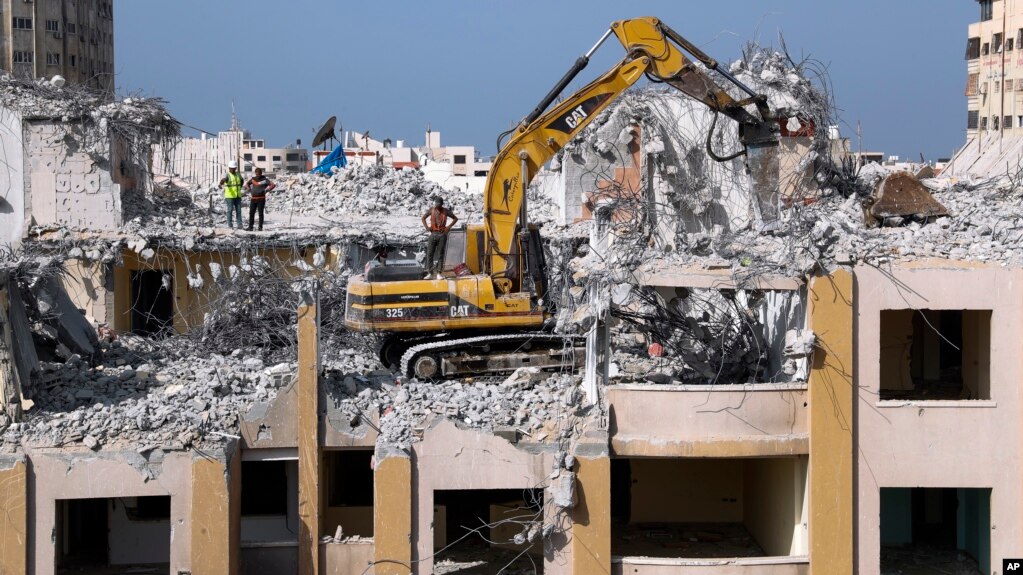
[232, 184]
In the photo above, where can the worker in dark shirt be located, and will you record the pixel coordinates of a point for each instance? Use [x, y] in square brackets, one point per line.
[257, 187]
[435, 220]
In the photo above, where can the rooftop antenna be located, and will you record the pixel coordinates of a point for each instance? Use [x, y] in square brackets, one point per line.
[236, 126]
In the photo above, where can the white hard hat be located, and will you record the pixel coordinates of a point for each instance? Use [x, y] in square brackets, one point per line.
[232, 164]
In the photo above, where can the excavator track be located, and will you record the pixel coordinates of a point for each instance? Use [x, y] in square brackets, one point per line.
[475, 356]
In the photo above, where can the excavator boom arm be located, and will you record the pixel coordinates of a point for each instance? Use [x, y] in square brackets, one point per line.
[653, 50]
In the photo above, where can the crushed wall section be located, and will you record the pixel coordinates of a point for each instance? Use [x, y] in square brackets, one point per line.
[70, 182]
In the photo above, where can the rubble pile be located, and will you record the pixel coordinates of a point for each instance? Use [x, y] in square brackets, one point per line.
[139, 120]
[539, 405]
[367, 190]
[52, 99]
[156, 394]
[363, 190]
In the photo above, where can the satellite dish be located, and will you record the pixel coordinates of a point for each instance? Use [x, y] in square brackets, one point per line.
[325, 133]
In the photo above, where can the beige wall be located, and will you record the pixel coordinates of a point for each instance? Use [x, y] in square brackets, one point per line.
[774, 503]
[62, 474]
[718, 421]
[687, 490]
[90, 286]
[910, 444]
[346, 558]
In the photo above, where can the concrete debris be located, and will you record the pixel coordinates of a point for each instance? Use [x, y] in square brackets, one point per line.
[42, 98]
[57, 310]
[143, 391]
[799, 342]
[562, 490]
[534, 403]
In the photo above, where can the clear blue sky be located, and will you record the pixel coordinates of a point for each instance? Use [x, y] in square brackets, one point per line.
[472, 68]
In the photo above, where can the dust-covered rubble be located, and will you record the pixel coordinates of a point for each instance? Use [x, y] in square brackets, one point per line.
[156, 394]
[538, 405]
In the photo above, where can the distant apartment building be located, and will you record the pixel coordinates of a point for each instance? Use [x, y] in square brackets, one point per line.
[72, 38]
[289, 159]
[994, 85]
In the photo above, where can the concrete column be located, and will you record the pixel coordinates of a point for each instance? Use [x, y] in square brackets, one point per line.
[216, 512]
[14, 518]
[591, 516]
[831, 390]
[392, 512]
[308, 435]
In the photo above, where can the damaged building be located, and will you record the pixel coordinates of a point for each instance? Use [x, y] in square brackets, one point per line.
[179, 397]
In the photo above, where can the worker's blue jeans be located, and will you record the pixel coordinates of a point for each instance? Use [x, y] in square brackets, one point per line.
[234, 211]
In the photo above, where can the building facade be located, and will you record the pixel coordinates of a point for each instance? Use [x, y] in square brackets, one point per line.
[290, 159]
[994, 86]
[72, 38]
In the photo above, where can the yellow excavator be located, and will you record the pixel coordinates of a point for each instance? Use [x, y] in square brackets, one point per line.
[489, 311]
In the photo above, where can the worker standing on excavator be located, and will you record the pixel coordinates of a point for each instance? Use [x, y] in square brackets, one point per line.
[438, 227]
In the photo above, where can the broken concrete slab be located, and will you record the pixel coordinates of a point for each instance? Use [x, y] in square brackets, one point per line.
[901, 195]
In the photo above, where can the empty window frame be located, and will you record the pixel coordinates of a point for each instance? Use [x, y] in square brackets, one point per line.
[983, 123]
[1007, 123]
[995, 123]
[260, 158]
[52, 59]
[23, 57]
[351, 478]
[20, 23]
[459, 158]
[1010, 44]
[70, 28]
[935, 530]
[53, 25]
[264, 488]
[1009, 85]
[96, 535]
[350, 491]
[152, 303]
[996, 43]
[708, 508]
[972, 119]
[935, 355]
[269, 503]
[484, 523]
[985, 49]
[973, 48]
